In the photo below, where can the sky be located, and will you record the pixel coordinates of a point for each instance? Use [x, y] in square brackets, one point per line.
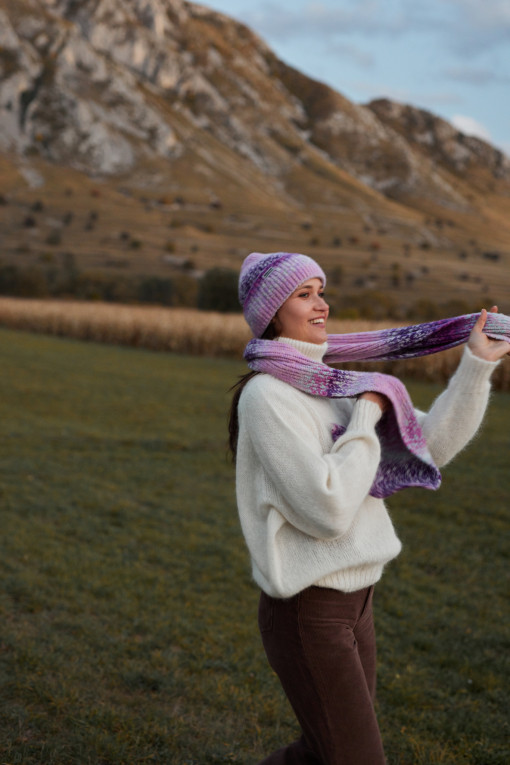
[450, 57]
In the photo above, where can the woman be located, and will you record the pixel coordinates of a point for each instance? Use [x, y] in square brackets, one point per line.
[310, 474]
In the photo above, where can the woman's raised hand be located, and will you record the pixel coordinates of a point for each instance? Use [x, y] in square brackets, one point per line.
[481, 345]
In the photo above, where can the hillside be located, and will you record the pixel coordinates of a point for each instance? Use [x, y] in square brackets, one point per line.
[159, 137]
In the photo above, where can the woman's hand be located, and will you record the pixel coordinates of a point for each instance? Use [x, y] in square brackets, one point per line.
[481, 345]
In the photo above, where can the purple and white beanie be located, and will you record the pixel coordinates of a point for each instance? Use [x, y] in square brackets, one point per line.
[268, 279]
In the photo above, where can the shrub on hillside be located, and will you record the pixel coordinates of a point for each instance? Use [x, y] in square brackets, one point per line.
[92, 285]
[185, 291]
[217, 291]
[425, 310]
[369, 304]
[155, 289]
[22, 282]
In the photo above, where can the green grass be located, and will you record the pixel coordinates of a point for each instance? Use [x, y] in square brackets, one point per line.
[128, 617]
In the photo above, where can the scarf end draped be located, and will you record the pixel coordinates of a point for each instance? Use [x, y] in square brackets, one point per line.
[405, 473]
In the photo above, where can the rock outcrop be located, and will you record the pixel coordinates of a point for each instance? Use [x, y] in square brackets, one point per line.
[106, 85]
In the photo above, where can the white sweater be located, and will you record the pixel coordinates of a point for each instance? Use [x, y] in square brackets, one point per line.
[303, 500]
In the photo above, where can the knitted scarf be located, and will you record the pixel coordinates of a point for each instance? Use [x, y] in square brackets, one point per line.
[405, 459]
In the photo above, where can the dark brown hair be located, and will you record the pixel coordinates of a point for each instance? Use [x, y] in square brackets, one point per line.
[238, 387]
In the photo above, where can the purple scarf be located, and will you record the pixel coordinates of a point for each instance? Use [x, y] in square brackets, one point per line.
[405, 459]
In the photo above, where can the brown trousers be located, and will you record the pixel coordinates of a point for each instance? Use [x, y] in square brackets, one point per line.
[321, 644]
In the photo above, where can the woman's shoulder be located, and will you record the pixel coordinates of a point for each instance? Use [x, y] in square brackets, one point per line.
[264, 389]
[263, 385]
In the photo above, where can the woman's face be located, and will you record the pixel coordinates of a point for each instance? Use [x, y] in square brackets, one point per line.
[304, 314]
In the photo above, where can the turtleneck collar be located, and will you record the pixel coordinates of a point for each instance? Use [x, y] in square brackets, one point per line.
[313, 351]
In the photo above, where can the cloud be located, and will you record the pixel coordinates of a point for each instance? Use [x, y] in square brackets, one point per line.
[357, 54]
[476, 77]
[482, 24]
[330, 19]
[470, 126]
[469, 27]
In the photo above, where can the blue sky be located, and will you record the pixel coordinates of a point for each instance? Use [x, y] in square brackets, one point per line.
[451, 57]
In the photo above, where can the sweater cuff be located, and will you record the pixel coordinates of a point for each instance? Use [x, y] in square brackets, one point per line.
[365, 415]
[474, 370]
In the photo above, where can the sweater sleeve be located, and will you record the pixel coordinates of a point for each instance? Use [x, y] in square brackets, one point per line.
[318, 493]
[457, 413]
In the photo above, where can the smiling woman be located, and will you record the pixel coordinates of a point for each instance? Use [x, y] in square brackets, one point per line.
[314, 461]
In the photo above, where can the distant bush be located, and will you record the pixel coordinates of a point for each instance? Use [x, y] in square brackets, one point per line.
[425, 310]
[458, 308]
[155, 289]
[369, 304]
[185, 291]
[22, 282]
[60, 277]
[91, 285]
[336, 275]
[54, 238]
[217, 291]
[46, 257]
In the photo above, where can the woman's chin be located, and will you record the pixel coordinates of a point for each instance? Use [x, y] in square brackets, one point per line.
[318, 336]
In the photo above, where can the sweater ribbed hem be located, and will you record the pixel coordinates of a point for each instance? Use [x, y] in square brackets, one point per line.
[352, 579]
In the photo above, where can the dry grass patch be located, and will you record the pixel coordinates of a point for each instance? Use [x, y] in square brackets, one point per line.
[189, 331]
[180, 330]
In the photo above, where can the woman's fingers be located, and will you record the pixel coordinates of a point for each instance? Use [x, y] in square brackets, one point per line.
[481, 321]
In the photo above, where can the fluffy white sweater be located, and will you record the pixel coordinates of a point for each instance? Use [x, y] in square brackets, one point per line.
[303, 500]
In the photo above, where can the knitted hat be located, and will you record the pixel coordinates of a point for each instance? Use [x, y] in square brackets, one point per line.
[267, 280]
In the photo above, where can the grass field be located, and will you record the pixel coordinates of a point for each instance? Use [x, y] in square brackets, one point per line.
[128, 617]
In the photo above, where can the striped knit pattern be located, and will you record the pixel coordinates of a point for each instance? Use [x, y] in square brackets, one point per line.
[267, 280]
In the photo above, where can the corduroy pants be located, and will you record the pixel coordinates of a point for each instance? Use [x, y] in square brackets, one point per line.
[321, 644]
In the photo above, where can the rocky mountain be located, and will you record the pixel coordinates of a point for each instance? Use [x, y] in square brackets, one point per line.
[104, 85]
[160, 137]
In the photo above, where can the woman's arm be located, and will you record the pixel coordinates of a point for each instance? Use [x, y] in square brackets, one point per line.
[318, 493]
[457, 413]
